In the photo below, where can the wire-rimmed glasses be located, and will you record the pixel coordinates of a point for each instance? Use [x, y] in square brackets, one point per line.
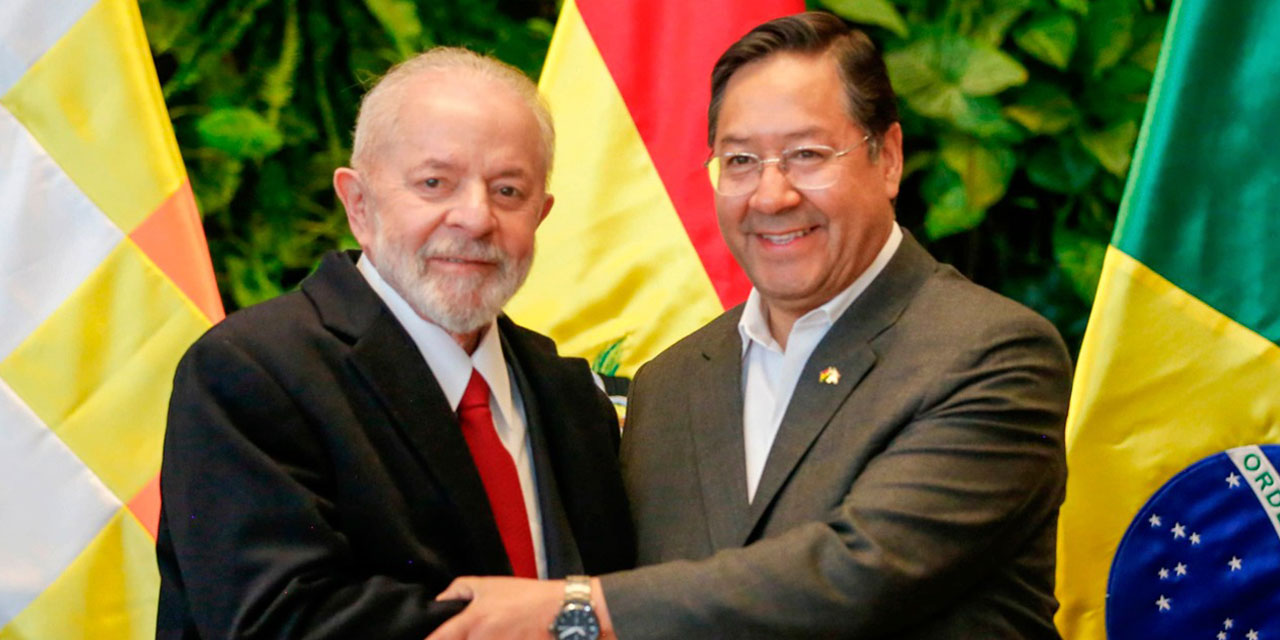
[810, 167]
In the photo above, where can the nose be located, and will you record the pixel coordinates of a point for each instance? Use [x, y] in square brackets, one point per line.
[472, 210]
[774, 193]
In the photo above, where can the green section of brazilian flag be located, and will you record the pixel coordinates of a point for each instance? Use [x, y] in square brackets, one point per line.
[1202, 207]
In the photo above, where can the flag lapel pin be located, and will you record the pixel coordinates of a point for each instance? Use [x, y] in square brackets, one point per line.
[830, 375]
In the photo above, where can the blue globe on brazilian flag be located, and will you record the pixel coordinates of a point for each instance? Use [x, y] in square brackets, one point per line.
[1202, 557]
[1169, 528]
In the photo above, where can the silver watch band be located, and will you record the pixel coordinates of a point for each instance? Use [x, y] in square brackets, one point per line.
[577, 589]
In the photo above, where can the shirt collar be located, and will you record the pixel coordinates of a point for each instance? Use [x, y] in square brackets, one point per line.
[449, 363]
[753, 326]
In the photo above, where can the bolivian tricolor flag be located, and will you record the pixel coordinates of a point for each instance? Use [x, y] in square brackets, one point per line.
[1171, 526]
[104, 282]
[631, 258]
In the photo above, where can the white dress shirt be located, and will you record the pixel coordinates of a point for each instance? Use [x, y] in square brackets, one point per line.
[770, 373]
[452, 368]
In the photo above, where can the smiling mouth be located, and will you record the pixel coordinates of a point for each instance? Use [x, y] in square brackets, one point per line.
[785, 238]
[461, 260]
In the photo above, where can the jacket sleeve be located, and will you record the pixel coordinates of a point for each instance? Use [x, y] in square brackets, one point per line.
[977, 471]
[251, 545]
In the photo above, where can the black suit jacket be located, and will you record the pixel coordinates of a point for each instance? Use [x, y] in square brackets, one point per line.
[315, 483]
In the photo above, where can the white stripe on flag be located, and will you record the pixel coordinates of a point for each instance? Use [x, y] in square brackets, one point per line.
[1261, 476]
[28, 28]
[52, 505]
[51, 236]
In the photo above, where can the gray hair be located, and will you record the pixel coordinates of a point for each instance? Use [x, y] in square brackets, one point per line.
[377, 114]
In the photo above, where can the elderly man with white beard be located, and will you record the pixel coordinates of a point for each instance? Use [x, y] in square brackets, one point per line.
[336, 456]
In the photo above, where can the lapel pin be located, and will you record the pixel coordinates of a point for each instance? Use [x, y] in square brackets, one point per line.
[830, 375]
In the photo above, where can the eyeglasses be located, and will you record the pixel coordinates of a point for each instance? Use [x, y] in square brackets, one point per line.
[810, 167]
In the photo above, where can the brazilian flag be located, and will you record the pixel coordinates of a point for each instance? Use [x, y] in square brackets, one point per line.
[1171, 525]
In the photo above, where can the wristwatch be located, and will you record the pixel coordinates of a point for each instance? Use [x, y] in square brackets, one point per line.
[577, 619]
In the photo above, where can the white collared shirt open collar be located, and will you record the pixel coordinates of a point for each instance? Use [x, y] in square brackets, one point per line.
[770, 373]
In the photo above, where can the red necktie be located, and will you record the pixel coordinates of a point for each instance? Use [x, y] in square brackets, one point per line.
[498, 473]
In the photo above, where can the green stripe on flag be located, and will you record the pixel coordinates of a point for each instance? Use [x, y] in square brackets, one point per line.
[1202, 207]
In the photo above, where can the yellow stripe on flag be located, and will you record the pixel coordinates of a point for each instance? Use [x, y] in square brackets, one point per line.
[109, 593]
[1157, 366]
[647, 287]
[98, 371]
[93, 102]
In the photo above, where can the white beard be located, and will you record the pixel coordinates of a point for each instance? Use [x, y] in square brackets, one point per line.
[459, 304]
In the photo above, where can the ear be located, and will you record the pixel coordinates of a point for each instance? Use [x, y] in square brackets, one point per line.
[890, 160]
[546, 208]
[355, 197]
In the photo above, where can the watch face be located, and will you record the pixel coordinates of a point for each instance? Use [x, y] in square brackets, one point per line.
[576, 622]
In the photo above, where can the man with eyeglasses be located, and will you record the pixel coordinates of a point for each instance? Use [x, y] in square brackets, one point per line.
[871, 446]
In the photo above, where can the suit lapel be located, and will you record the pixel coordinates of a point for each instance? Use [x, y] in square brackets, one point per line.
[384, 355]
[812, 405]
[717, 437]
[845, 349]
[557, 534]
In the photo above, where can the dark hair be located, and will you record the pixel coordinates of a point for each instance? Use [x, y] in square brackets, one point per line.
[872, 103]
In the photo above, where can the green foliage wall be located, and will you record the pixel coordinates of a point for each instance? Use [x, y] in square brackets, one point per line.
[1020, 119]
[263, 97]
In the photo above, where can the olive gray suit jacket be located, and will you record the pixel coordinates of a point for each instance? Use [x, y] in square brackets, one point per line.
[917, 497]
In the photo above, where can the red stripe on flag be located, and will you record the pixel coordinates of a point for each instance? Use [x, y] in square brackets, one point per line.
[173, 238]
[660, 53]
[146, 506]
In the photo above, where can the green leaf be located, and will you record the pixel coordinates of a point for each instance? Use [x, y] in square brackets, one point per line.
[942, 63]
[240, 133]
[229, 25]
[541, 27]
[948, 212]
[1079, 6]
[215, 179]
[1080, 257]
[1107, 33]
[993, 26]
[1148, 35]
[939, 181]
[948, 216]
[989, 71]
[1043, 108]
[609, 359]
[1113, 146]
[985, 171]
[916, 76]
[878, 12]
[277, 85]
[1050, 39]
[165, 23]
[917, 161]
[1119, 94]
[910, 68]
[982, 118]
[251, 280]
[939, 75]
[400, 20]
[942, 103]
[1147, 55]
[1063, 167]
